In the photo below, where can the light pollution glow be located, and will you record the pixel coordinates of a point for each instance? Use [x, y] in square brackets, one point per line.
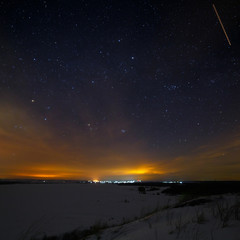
[35, 152]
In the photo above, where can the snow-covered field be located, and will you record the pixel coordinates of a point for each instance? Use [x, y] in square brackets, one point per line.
[120, 212]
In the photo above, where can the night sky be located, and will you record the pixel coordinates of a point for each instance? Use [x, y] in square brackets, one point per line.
[119, 89]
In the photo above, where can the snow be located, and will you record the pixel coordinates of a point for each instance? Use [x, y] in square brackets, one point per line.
[28, 210]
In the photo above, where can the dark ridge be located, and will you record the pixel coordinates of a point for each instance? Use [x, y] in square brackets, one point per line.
[146, 184]
[203, 188]
[39, 181]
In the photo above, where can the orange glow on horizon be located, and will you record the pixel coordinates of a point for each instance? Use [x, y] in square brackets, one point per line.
[40, 175]
[143, 170]
[60, 172]
[43, 176]
[33, 151]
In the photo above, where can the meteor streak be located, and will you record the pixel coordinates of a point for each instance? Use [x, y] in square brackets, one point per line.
[221, 24]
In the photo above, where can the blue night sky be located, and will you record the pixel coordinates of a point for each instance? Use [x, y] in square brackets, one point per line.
[119, 89]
